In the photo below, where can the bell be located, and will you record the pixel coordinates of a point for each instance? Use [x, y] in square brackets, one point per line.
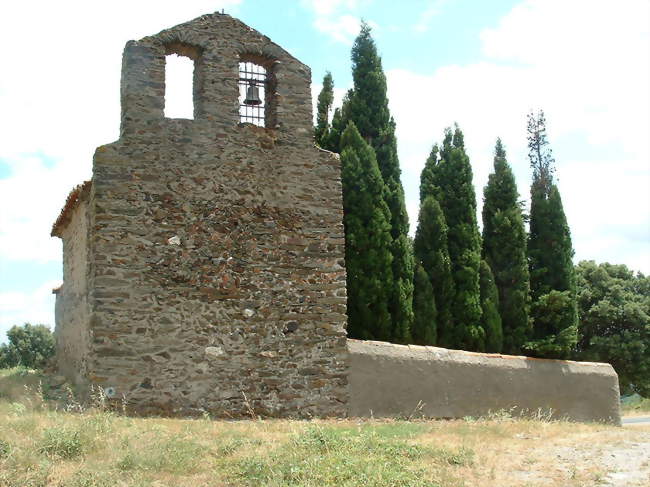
[252, 95]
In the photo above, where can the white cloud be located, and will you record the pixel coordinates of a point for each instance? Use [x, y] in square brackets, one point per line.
[586, 64]
[343, 28]
[59, 93]
[424, 20]
[36, 307]
[330, 7]
[338, 18]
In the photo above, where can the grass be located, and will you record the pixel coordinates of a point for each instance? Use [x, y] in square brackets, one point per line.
[639, 406]
[45, 446]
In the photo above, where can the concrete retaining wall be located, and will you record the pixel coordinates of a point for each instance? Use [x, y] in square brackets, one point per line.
[400, 380]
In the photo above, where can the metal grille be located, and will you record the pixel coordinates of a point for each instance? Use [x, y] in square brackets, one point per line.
[251, 74]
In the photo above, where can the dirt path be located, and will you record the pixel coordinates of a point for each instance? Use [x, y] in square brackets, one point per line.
[628, 464]
[619, 458]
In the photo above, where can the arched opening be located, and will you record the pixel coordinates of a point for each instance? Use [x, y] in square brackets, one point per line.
[253, 87]
[179, 86]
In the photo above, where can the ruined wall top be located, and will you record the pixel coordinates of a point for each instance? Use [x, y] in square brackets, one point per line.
[217, 43]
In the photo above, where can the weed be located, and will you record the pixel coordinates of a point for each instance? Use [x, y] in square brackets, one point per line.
[62, 442]
[460, 457]
[399, 429]
[636, 404]
[5, 449]
[17, 408]
[502, 415]
[233, 445]
[87, 478]
[171, 455]
[332, 456]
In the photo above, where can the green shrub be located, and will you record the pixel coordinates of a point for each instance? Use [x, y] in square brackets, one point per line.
[173, 455]
[4, 449]
[62, 442]
[29, 345]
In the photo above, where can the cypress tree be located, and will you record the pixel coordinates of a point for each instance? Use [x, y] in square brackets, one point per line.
[550, 252]
[430, 248]
[324, 106]
[428, 177]
[549, 244]
[332, 141]
[367, 240]
[504, 250]
[367, 106]
[424, 309]
[457, 198]
[490, 319]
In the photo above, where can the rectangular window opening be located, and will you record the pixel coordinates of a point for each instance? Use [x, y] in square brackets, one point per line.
[252, 93]
[179, 87]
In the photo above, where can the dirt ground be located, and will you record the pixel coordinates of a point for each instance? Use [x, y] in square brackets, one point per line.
[611, 458]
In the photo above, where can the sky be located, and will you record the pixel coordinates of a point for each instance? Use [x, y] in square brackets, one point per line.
[483, 65]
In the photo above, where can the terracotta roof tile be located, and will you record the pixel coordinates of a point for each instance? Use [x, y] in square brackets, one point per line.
[71, 202]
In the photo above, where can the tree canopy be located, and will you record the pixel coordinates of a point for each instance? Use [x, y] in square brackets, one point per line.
[550, 254]
[504, 250]
[614, 309]
[368, 241]
[28, 345]
[452, 180]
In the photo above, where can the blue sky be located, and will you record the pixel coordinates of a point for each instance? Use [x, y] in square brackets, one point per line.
[481, 64]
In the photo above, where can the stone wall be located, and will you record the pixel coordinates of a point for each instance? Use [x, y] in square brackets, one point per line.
[400, 380]
[72, 307]
[217, 277]
[204, 264]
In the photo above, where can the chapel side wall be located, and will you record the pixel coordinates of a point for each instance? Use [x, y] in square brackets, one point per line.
[218, 250]
[400, 380]
[72, 311]
[247, 306]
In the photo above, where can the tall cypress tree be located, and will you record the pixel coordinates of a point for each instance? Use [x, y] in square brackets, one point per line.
[490, 319]
[550, 252]
[367, 106]
[332, 141]
[424, 309]
[367, 240]
[453, 180]
[324, 106]
[504, 249]
[431, 251]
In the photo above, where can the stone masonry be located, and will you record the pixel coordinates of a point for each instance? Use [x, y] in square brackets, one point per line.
[203, 265]
[204, 262]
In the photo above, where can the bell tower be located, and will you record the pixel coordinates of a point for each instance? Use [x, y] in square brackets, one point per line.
[215, 277]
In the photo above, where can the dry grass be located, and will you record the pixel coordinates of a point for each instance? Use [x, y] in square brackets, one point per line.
[637, 407]
[44, 447]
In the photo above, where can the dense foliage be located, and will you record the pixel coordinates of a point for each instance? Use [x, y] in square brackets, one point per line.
[367, 107]
[490, 319]
[452, 179]
[431, 251]
[325, 102]
[550, 253]
[424, 309]
[29, 345]
[452, 288]
[504, 250]
[367, 240]
[614, 309]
